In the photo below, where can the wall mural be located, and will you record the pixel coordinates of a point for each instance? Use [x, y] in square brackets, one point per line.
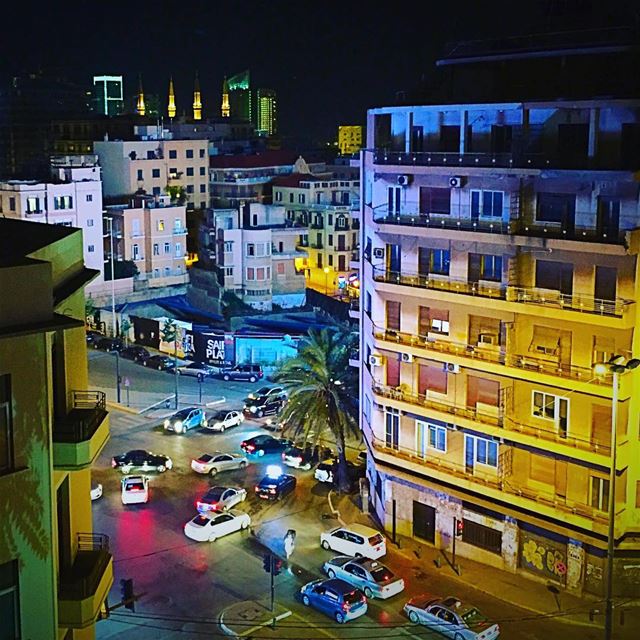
[543, 556]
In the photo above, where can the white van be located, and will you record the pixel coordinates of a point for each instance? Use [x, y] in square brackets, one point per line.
[355, 540]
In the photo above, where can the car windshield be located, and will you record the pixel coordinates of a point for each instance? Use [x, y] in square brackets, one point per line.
[135, 486]
[352, 597]
[215, 493]
[200, 521]
[473, 617]
[294, 451]
[381, 574]
[205, 458]
[181, 415]
[219, 415]
[377, 539]
[262, 391]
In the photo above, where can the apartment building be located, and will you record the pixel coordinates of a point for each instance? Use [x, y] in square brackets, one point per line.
[349, 139]
[156, 164]
[326, 209]
[499, 265]
[258, 256]
[73, 198]
[152, 232]
[55, 571]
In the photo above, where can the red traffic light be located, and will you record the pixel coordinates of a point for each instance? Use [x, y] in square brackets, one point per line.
[459, 528]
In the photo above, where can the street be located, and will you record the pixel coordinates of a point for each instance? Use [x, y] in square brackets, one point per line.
[183, 586]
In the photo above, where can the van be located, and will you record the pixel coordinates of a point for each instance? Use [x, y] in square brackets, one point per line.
[355, 540]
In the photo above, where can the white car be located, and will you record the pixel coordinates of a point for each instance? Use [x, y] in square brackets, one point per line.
[207, 527]
[135, 489]
[224, 419]
[96, 492]
[324, 471]
[212, 463]
[370, 576]
[355, 540]
[221, 499]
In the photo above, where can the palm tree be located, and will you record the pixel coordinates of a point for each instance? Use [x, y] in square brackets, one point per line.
[323, 392]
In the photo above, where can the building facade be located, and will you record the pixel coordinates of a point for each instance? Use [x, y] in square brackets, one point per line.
[349, 139]
[52, 428]
[499, 265]
[108, 95]
[73, 198]
[266, 120]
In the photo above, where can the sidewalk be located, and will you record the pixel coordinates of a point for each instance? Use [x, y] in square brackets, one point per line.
[511, 588]
[249, 616]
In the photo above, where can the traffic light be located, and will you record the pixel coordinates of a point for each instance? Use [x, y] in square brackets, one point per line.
[459, 528]
[277, 566]
[126, 590]
[266, 562]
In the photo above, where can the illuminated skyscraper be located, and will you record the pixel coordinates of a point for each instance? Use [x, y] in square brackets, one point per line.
[225, 109]
[349, 139]
[240, 96]
[108, 95]
[197, 101]
[266, 112]
[171, 108]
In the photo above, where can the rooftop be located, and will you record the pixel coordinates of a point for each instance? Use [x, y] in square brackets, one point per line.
[20, 238]
[269, 158]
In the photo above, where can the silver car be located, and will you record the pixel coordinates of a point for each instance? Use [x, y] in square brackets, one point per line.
[370, 576]
[197, 370]
[212, 463]
[224, 419]
[220, 499]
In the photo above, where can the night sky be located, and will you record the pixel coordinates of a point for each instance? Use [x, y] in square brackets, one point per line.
[328, 61]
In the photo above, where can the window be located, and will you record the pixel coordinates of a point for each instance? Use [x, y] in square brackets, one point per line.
[91, 248]
[62, 202]
[481, 536]
[341, 222]
[280, 268]
[160, 225]
[432, 378]
[440, 260]
[557, 208]
[156, 273]
[173, 172]
[6, 429]
[319, 261]
[486, 452]
[189, 153]
[173, 154]
[140, 174]
[90, 222]
[278, 196]
[136, 252]
[434, 200]
[250, 249]
[260, 273]
[251, 273]
[167, 248]
[202, 152]
[393, 315]
[437, 437]
[487, 204]
[89, 197]
[545, 340]
[178, 250]
[600, 493]
[190, 172]
[9, 600]
[433, 321]
[367, 409]
[291, 197]
[189, 188]
[228, 246]
[228, 271]
[330, 258]
[392, 428]
[301, 198]
[491, 268]
[167, 271]
[155, 173]
[177, 224]
[156, 249]
[12, 203]
[203, 189]
[550, 407]
[156, 191]
[203, 171]
[367, 305]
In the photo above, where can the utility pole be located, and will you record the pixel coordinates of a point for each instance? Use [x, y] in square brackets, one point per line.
[170, 334]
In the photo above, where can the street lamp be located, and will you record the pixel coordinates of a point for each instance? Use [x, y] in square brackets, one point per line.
[109, 220]
[616, 367]
[326, 274]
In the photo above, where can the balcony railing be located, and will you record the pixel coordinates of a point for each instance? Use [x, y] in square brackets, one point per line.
[316, 245]
[82, 579]
[483, 354]
[179, 232]
[86, 415]
[486, 289]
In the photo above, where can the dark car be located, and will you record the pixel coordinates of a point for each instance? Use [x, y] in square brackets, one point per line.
[161, 363]
[275, 487]
[135, 353]
[305, 457]
[259, 445]
[92, 336]
[141, 459]
[263, 406]
[108, 344]
[250, 372]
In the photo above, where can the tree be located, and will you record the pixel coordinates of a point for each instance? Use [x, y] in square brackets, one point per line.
[323, 392]
[177, 193]
[122, 269]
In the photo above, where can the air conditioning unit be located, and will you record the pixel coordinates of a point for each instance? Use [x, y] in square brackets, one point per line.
[488, 338]
[450, 367]
[406, 357]
[375, 361]
[403, 180]
[378, 252]
[455, 182]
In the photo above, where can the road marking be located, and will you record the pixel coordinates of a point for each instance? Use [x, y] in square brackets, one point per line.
[311, 624]
[281, 616]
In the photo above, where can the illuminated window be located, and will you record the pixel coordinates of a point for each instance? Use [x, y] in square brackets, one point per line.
[160, 225]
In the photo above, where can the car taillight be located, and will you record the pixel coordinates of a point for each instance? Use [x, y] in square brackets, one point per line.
[345, 606]
[298, 459]
[114, 463]
[250, 447]
[272, 490]
[257, 487]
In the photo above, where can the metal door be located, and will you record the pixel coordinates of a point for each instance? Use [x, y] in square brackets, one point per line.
[424, 522]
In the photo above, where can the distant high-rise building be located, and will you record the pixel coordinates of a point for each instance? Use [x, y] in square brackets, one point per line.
[197, 100]
[108, 95]
[266, 112]
[171, 107]
[349, 139]
[240, 96]
[225, 109]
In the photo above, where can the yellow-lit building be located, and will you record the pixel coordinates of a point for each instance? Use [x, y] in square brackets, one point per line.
[493, 279]
[349, 139]
[55, 571]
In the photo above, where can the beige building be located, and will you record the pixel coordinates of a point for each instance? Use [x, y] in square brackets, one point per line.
[55, 571]
[157, 166]
[349, 139]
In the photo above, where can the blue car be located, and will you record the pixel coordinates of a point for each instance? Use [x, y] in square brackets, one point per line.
[336, 598]
[186, 419]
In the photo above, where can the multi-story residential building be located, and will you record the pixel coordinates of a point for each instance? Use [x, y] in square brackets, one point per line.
[258, 256]
[151, 232]
[108, 95]
[73, 198]
[155, 164]
[55, 571]
[349, 139]
[327, 209]
[266, 112]
[499, 265]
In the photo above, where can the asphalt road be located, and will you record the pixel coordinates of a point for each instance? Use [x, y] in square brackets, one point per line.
[184, 585]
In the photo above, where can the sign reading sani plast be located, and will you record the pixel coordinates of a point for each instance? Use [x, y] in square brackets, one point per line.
[214, 349]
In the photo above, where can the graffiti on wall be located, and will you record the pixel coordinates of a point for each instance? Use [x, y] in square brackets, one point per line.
[543, 556]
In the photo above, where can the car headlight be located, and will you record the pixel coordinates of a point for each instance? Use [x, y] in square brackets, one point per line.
[217, 425]
[253, 409]
[178, 425]
[167, 423]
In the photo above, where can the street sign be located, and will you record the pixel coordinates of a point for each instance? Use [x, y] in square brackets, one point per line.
[289, 542]
[127, 382]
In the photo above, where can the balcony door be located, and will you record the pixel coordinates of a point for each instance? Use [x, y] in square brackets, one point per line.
[605, 283]
[608, 217]
[557, 276]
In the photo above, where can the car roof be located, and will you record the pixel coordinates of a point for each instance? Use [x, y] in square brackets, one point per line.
[361, 529]
[133, 479]
[338, 585]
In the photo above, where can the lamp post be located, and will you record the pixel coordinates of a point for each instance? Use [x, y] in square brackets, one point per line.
[109, 219]
[326, 275]
[616, 367]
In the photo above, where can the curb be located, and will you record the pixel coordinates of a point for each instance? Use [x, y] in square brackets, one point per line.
[229, 632]
[121, 407]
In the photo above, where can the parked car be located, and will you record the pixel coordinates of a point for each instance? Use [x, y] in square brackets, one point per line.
[93, 336]
[214, 463]
[161, 363]
[355, 540]
[250, 372]
[336, 598]
[135, 489]
[259, 445]
[96, 491]
[207, 527]
[275, 484]
[326, 471]
[143, 460]
[370, 576]
[220, 499]
[108, 344]
[224, 419]
[263, 406]
[135, 353]
[305, 457]
[451, 618]
[267, 392]
[185, 419]
[197, 370]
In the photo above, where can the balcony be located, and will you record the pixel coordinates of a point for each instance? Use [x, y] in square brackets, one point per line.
[354, 358]
[354, 308]
[317, 224]
[84, 586]
[512, 294]
[179, 232]
[79, 437]
[481, 355]
[316, 245]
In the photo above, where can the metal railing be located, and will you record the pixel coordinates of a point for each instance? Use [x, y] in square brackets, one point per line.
[82, 579]
[88, 410]
[526, 295]
[496, 356]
